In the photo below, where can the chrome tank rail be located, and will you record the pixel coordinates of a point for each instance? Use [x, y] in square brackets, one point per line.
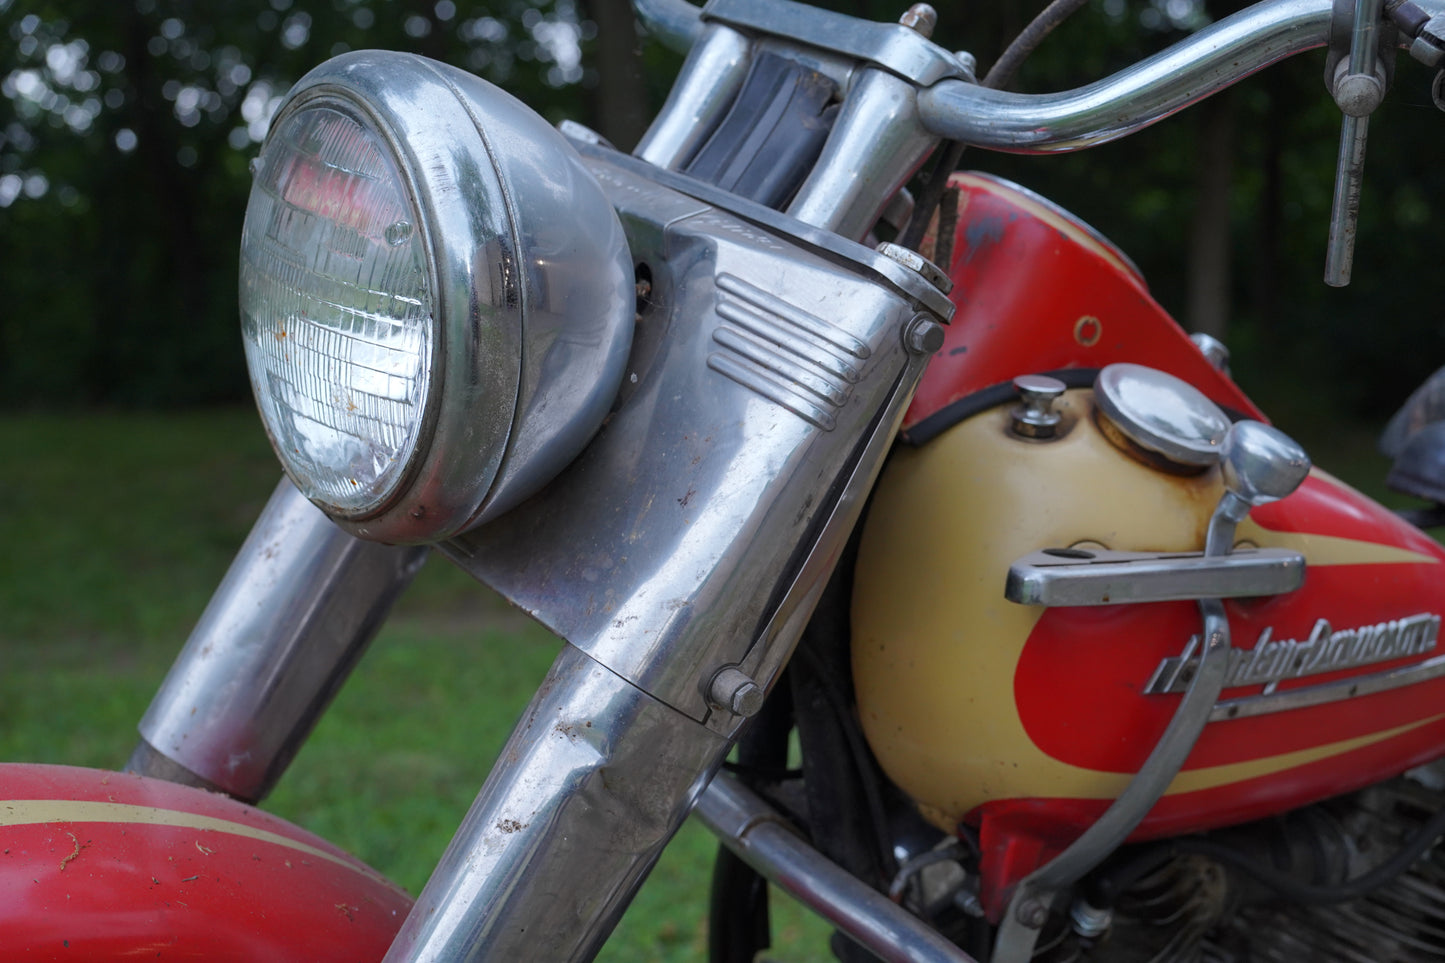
[767, 380]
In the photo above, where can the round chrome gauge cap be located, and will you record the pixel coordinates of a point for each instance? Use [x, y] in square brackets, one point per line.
[1161, 414]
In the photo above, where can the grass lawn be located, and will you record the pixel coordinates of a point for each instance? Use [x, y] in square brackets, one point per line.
[116, 530]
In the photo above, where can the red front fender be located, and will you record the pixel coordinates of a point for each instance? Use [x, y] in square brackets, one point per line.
[102, 866]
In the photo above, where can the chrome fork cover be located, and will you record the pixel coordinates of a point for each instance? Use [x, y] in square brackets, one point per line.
[770, 367]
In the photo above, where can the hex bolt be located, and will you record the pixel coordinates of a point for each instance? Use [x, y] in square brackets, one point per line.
[917, 263]
[920, 18]
[1032, 913]
[733, 690]
[923, 335]
[1090, 921]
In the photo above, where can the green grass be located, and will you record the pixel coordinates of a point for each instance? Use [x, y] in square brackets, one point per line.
[117, 528]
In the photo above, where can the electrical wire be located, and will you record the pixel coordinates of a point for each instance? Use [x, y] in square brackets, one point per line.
[1002, 72]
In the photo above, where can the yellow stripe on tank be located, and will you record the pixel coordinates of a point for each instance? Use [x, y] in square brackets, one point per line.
[32, 812]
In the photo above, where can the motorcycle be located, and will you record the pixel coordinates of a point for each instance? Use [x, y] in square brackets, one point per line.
[960, 593]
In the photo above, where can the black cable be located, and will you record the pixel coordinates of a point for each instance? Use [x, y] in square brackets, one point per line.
[1002, 72]
[862, 756]
[945, 163]
[998, 77]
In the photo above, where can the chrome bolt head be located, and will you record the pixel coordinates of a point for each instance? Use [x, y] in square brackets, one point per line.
[1260, 463]
[733, 690]
[1214, 350]
[923, 335]
[1357, 94]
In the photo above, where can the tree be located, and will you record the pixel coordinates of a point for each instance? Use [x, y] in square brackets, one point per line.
[124, 141]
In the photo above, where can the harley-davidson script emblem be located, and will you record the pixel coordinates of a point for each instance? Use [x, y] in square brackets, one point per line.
[1272, 660]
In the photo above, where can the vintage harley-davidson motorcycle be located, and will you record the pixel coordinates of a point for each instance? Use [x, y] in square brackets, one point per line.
[961, 593]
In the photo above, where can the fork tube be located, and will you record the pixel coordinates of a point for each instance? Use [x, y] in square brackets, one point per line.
[702, 94]
[592, 784]
[284, 629]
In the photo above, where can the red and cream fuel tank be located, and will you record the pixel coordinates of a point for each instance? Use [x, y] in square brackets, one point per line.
[1028, 720]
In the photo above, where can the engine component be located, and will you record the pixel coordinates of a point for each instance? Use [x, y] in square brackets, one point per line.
[1190, 906]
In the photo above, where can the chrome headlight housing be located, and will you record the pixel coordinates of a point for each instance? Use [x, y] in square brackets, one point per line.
[436, 297]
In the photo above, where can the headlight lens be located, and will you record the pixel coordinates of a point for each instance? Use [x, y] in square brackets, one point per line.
[336, 310]
[436, 296]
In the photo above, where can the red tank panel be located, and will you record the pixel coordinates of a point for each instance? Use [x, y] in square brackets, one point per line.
[1037, 291]
[105, 866]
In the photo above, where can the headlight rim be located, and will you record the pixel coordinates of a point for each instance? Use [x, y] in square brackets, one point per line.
[445, 457]
[534, 289]
[358, 111]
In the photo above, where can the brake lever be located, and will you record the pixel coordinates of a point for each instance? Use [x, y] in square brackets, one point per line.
[1357, 83]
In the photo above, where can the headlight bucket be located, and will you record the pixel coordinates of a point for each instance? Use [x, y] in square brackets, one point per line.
[527, 278]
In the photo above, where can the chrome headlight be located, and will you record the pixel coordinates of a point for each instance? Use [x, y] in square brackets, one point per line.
[436, 297]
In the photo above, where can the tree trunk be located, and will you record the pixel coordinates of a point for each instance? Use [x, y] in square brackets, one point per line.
[619, 101]
[1209, 285]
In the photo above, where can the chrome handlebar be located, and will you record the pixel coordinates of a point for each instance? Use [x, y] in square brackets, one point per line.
[954, 107]
[1140, 95]
[1150, 90]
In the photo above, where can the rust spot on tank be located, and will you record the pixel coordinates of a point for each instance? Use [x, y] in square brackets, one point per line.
[65, 860]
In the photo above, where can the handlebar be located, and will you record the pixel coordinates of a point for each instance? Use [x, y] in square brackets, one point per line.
[1140, 95]
[1133, 98]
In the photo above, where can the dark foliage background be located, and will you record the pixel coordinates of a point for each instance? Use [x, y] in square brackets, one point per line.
[126, 129]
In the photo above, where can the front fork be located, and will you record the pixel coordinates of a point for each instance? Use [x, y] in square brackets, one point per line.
[291, 618]
[679, 556]
[596, 769]
[593, 782]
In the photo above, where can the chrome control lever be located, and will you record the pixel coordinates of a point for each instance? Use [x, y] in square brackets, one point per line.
[1260, 464]
[1358, 85]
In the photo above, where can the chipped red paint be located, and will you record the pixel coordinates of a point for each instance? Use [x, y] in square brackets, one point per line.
[1036, 292]
[102, 866]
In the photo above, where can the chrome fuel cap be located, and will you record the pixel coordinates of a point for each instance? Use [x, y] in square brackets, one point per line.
[1161, 414]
